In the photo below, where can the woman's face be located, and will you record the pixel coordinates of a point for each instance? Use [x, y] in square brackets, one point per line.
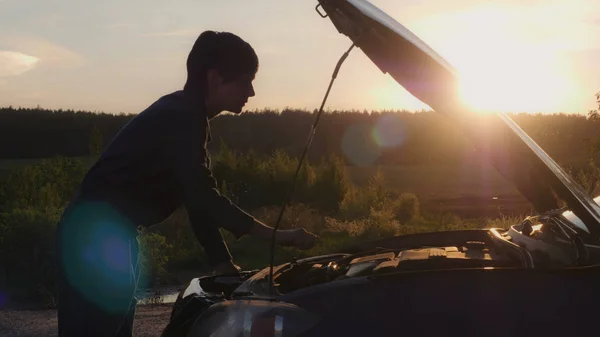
[229, 95]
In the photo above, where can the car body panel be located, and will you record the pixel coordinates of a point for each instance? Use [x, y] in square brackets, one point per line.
[457, 303]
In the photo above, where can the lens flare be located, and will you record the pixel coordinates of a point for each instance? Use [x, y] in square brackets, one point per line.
[116, 254]
[358, 145]
[99, 254]
[389, 131]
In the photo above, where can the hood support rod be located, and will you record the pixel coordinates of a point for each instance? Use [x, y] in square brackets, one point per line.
[288, 197]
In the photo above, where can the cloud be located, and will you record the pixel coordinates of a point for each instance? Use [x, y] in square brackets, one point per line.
[14, 63]
[53, 55]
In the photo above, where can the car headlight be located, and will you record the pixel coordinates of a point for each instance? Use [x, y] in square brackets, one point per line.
[249, 318]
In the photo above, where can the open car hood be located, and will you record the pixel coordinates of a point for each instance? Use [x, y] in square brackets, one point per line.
[431, 79]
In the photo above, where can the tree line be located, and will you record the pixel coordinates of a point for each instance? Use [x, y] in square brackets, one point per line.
[378, 137]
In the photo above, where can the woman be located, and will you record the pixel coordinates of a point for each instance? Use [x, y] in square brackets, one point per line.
[156, 163]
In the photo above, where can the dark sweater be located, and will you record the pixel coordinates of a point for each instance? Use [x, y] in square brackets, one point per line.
[159, 161]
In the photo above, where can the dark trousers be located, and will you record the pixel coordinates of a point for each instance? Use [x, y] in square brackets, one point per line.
[98, 272]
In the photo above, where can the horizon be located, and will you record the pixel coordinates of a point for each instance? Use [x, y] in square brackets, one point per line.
[514, 55]
[286, 109]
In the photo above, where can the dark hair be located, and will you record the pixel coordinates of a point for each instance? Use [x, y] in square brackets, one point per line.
[231, 56]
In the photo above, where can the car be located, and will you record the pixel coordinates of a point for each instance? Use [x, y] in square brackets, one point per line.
[539, 277]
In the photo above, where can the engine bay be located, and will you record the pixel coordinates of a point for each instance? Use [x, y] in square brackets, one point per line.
[473, 254]
[538, 242]
[541, 242]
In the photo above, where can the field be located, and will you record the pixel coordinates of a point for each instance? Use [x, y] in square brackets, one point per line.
[468, 190]
[342, 204]
[472, 190]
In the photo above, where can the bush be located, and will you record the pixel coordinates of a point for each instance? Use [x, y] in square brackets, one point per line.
[185, 251]
[32, 199]
[589, 178]
[296, 215]
[358, 201]
[406, 207]
[589, 175]
[331, 185]
[154, 256]
[379, 224]
[27, 253]
[47, 185]
[252, 182]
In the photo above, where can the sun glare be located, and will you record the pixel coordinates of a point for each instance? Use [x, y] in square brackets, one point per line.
[525, 82]
[505, 63]
[514, 83]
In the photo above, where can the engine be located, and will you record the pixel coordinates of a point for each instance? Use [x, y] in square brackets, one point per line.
[473, 254]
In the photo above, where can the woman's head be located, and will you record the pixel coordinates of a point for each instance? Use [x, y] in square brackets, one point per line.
[220, 68]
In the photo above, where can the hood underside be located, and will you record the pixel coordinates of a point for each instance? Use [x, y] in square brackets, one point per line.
[431, 79]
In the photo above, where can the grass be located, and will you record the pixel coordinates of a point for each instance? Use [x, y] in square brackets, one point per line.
[468, 190]
[437, 181]
[7, 165]
[427, 181]
[471, 190]
[401, 200]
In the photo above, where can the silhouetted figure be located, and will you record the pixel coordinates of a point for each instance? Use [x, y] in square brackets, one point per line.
[155, 164]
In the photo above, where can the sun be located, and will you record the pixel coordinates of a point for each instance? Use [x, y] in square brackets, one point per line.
[505, 63]
[526, 81]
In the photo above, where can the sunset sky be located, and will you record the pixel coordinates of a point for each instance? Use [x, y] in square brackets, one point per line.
[120, 56]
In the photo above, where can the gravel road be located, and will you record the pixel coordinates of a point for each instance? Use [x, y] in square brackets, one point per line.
[150, 320]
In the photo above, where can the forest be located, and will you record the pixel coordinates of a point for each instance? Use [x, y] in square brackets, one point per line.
[407, 138]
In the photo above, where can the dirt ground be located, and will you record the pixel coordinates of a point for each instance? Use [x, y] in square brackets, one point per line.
[150, 320]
